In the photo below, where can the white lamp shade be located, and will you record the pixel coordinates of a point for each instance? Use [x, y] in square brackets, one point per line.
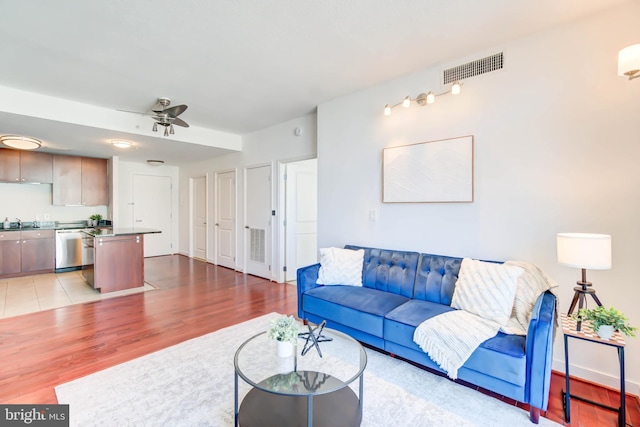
[629, 59]
[583, 250]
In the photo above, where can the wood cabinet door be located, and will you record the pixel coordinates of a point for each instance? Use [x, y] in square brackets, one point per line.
[37, 254]
[94, 182]
[118, 263]
[9, 165]
[10, 253]
[36, 167]
[67, 180]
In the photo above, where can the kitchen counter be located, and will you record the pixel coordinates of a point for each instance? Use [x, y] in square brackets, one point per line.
[118, 257]
[111, 232]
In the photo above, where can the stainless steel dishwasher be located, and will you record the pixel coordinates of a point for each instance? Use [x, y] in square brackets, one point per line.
[69, 250]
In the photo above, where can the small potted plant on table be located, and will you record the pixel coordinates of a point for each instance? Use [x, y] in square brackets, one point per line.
[284, 330]
[604, 321]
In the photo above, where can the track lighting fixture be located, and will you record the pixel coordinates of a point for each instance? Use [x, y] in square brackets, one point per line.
[423, 98]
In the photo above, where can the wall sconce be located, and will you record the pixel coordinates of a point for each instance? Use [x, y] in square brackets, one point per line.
[629, 62]
[423, 98]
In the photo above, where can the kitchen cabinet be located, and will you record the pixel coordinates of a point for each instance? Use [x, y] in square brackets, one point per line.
[118, 263]
[94, 182]
[79, 181]
[38, 250]
[26, 251]
[26, 166]
[10, 253]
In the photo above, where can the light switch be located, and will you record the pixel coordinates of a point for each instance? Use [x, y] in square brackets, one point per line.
[373, 215]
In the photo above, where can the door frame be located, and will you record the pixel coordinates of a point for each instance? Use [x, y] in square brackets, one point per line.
[281, 232]
[274, 219]
[206, 215]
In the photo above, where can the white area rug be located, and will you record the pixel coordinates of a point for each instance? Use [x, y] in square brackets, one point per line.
[191, 384]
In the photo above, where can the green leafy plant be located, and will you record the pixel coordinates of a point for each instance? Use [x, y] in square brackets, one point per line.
[284, 328]
[96, 217]
[600, 316]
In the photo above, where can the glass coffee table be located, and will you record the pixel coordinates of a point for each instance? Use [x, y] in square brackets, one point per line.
[300, 390]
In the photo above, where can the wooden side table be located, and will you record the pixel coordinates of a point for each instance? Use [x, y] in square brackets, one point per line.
[587, 334]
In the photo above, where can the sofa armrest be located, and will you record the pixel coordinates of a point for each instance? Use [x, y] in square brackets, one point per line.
[306, 279]
[539, 349]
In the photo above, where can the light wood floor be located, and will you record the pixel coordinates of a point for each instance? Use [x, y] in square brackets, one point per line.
[41, 350]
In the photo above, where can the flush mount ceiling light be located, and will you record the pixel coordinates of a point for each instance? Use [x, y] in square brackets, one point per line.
[20, 142]
[155, 162]
[121, 143]
[423, 98]
[629, 62]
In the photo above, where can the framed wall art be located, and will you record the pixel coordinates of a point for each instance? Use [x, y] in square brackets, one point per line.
[429, 172]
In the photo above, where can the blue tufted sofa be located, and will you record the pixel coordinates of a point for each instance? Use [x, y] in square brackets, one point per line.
[402, 289]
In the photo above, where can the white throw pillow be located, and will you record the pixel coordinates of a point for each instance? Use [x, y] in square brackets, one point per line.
[340, 266]
[486, 289]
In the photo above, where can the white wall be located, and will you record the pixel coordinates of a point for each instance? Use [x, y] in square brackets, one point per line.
[277, 143]
[123, 211]
[25, 201]
[556, 149]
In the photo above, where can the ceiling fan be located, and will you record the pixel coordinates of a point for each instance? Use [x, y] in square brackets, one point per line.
[167, 116]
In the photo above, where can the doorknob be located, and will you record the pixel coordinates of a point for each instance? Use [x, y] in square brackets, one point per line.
[246, 226]
[217, 224]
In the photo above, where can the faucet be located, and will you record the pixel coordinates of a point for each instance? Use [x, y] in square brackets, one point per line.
[19, 222]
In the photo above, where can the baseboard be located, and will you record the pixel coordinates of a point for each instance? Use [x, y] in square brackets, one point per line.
[598, 377]
[185, 253]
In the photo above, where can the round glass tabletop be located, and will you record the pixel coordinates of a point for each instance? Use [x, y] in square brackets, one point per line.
[343, 360]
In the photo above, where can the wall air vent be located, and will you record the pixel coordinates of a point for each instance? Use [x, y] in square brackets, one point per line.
[474, 68]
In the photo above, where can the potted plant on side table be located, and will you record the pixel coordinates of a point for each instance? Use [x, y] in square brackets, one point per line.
[284, 330]
[604, 321]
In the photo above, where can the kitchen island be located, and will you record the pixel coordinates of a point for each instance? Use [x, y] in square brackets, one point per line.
[118, 258]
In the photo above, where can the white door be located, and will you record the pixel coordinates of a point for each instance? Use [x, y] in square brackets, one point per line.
[301, 216]
[226, 219]
[258, 221]
[199, 218]
[152, 209]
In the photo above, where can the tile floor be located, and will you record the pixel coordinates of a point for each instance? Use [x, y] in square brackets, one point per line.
[22, 295]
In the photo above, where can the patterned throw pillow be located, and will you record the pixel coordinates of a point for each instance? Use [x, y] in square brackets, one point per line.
[340, 267]
[486, 289]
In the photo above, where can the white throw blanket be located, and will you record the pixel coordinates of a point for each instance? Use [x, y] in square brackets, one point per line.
[450, 338]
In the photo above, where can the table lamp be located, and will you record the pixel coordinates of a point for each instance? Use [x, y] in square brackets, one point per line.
[584, 251]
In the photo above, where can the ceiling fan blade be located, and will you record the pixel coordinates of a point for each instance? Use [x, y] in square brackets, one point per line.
[180, 122]
[175, 111]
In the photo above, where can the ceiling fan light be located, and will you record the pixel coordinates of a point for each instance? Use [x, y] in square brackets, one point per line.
[166, 131]
[431, 98]
[155, 127]
[171, 131]
[20, 142]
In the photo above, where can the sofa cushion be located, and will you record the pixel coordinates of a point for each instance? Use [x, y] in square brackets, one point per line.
[359, 308]
[486, 289]
[436, 278]
[340, 266]
[502, 356]
[387, 270]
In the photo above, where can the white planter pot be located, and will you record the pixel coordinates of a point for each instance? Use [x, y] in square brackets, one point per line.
[605, 331]
[285, 348]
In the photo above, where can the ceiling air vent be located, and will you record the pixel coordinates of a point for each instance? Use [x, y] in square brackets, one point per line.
[474, 68]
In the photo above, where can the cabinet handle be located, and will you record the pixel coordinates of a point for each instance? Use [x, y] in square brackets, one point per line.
[24, 241]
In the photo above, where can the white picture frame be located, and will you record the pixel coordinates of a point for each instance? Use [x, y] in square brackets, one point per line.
[429, 172]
